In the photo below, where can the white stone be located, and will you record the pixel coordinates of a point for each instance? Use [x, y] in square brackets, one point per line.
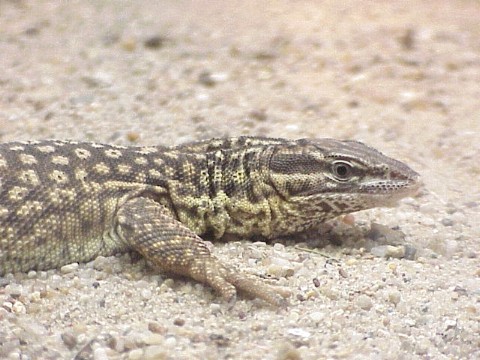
[69, 268]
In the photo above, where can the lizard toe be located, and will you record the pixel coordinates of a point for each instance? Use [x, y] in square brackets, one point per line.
[227, 281]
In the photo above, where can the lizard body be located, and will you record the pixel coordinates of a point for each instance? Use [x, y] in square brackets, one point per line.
[64, 201]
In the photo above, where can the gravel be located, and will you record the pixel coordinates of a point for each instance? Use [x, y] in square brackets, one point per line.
[393, 283]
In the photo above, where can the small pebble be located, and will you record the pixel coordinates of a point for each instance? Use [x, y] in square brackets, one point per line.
[259, 114]
[280, 261]
[35, 296]
[277, 270]
[349, 219]
[135, 354]
[396, 252]
[170, 342]
[129, 45]
[384, 235]
[293, 316]
[317, 316]
[110, 38]
[69, 339]
[458, 218]
[311, 294]
[279, 247]
[388, 251]
[259, 244]
[330, 293]
[146, 294]
[7, 305]
[15, 291]
[154, 42]
[179, 322]
[472, 204]
[422, 346]
[287, 351]
[255, 253]
[392, 266]
[131, 342]
[300, 297]
[153, 339]
[471, 254]
[66, 269]
[449, 324]
[292, 127]
[394, 297]
[19, 308]
[4, 282]
[364, 302]
[98, 79]
[100, 354]
[428, 208]
[116, 343]
[155, 353]
[451, 247]
[410, 322]
[206, 79]
[133, 136]
[410, 252]
[157, 328]
[351, 261]
[299, 332]
[32, 31]
[407, 39]
[169, 282]
[428, 221]
[101, 263]
[220, 340]
[447, 222]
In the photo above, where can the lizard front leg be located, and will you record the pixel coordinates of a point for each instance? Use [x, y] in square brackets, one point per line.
[151, 230]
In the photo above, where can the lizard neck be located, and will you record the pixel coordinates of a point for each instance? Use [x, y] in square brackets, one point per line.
[222, 192]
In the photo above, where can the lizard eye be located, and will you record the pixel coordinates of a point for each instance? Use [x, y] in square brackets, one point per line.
[342, 170]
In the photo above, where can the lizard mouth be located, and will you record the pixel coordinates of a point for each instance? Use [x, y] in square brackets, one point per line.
[389, 192]
[391, 186]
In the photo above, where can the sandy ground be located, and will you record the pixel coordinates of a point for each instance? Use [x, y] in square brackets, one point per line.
[402, 76]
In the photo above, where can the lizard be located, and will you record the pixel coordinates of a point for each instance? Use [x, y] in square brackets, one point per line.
[65, 201]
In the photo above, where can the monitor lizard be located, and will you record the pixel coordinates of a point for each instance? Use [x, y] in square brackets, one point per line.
[66, 201]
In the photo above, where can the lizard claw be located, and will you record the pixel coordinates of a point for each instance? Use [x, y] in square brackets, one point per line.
[227, 282]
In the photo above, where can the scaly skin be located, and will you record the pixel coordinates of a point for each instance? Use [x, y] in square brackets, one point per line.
[64, 202]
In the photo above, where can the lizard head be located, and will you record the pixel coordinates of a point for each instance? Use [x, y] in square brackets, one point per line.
[325, 178]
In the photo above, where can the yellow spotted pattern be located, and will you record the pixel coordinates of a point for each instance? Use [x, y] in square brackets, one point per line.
[59, 177]
[27, 159]
[83, 154]
[60, 160]
[29, 177]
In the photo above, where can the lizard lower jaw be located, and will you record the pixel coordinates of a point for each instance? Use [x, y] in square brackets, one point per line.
[392, 197]
[399, 188]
